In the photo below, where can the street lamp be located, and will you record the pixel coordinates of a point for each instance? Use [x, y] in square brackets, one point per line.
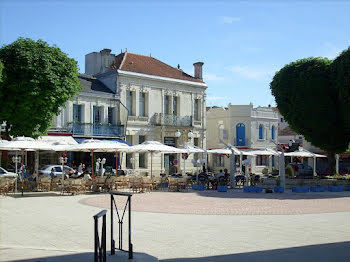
[99, 165]
[132, 161]
[180, 133]
[282, 171]
[16, 160]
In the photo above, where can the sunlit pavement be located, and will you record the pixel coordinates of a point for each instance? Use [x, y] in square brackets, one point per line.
[60, 228]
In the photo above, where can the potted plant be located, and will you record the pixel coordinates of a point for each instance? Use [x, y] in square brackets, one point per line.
[318, 187]
[301, 188]
[335, 188]
[278, 188]
[222, 186]
[275, 172]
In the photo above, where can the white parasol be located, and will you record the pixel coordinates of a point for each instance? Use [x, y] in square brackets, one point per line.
[155, 147]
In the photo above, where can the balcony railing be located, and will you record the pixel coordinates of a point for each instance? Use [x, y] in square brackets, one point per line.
[160, 119]
[85, 129]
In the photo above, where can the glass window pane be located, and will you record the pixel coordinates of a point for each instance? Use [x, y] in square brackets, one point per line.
[142, 105]
[175, 105]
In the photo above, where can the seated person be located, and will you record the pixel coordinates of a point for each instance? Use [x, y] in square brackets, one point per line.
[220, 174]
[70, 172]
[28, 175]
[53, 173]
[226, 174]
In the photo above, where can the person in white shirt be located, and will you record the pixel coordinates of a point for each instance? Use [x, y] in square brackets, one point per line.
[220, 174]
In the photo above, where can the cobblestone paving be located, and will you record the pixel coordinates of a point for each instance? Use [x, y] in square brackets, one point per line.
[233, 203]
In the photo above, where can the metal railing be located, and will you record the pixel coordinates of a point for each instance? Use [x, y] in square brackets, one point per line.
[160, 119]
[87, 129]
[100, 254]
[120, 223]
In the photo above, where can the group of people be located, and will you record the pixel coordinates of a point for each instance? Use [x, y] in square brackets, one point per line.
[78, 172]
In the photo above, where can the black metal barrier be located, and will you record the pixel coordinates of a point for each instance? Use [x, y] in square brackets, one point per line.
[120, 222]
[100, 248]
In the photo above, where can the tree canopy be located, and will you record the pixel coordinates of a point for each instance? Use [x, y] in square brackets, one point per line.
[313, 95]
[37, 80]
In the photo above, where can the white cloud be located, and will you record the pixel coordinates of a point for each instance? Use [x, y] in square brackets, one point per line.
[228, 19]
[212, 77]
[332, 51]
[253, 73]
[212, 98]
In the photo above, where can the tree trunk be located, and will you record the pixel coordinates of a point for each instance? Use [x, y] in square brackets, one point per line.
[331, 162]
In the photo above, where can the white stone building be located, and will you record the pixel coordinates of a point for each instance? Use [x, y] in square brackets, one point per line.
[138, 98]
[244, 127]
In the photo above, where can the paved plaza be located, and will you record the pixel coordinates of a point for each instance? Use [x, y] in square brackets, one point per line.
[190, 226]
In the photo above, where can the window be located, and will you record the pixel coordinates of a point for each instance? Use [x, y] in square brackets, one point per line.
[175, 105]
[261, 131]
[97, 115]
[166, 105]
[219, 161]
[77, 113]
[196, 143]
[196, 112]
[142, 104]
[129, 102]
[142, 156]
[262, 160]
[128, 139]
[128, 161]
[273, 133]
[111, 115]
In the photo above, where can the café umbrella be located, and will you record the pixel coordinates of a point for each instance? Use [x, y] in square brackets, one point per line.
[92, 145]
[190, 149]
[155, 147]
[22, 144]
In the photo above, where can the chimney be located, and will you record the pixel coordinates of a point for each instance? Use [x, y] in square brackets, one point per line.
[198, 70]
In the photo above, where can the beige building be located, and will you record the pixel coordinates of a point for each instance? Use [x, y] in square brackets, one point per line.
[156, 99]
[244, 127]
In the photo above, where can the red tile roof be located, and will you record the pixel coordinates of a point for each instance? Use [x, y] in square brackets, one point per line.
[149, 66]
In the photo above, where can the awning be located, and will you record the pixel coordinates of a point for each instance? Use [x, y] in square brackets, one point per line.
[64, 140]
[81, 139]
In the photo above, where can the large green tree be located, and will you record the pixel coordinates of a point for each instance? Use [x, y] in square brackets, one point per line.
[37, 80]
[313, 96]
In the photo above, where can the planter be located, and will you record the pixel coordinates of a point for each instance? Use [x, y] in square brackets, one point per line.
[300, 189]
[278, 189]
[222, 188]
[256, 189]
[198, 187]
[318, 189]
[336, 188]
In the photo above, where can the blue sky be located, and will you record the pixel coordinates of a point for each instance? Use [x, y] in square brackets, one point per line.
[242, 44]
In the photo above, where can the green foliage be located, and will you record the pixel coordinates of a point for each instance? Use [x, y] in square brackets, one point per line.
[313, 95]
[39, 80]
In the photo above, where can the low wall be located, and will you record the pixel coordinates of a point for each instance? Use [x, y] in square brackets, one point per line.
[271, 182]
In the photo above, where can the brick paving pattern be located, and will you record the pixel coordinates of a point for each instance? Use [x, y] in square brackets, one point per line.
[231, 203]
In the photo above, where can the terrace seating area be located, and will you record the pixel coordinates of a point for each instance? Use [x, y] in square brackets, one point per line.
[135, 184]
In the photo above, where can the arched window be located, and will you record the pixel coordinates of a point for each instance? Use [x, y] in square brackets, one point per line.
[261, 131]
[273, 133]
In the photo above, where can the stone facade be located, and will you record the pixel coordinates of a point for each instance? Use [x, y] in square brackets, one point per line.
[244, 127]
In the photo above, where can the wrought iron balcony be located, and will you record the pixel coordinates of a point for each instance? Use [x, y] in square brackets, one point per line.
[160, 119]
[86, 129]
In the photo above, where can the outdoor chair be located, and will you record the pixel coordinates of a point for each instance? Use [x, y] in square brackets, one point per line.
[135, 184]
[98, 184]
[29, 186]
[147, 183]
[181, 184]
[55, 184]
[173, 184]
[44, 183]
[78, 185]
[66, 186]
[110, 183]
[4, 186]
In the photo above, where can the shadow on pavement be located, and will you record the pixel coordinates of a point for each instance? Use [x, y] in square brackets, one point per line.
[321, 253]
[88, 257]
[280, 196]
